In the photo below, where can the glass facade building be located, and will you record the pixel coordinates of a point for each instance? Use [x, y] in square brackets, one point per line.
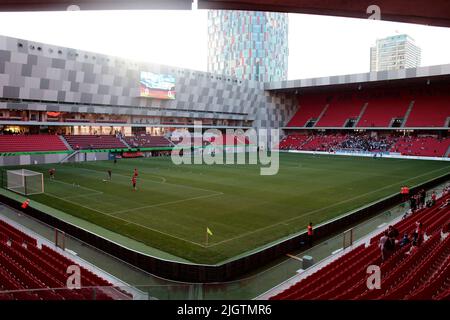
[395, 53]
[248, 45]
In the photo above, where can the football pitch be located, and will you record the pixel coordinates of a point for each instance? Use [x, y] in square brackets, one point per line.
[174, 205]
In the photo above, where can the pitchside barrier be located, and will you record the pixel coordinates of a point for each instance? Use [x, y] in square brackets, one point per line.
[391, 155]
[231, 270]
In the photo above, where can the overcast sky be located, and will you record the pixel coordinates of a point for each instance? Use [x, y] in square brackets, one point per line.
[319, 45]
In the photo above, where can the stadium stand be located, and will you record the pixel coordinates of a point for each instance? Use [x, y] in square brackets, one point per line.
[229, 139]
[310, 107]
[422, 146]
[294, 141]
[340, 110]
[380, 112]
[147, 141]
[324, 142]
[406, 274]
[28, 272]
[431, 109]
[429, 146]
[94, 142]
[29, 143]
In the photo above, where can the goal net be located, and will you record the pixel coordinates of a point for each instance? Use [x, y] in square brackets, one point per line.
[25, 182]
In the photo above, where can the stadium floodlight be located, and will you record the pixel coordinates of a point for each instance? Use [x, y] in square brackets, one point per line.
[25, 182]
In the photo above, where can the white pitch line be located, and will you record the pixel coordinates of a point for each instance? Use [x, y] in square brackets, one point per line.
[77, 196]
[165, 183]
[321, 209]
[71, 185]
[166, 203]
[130, 222]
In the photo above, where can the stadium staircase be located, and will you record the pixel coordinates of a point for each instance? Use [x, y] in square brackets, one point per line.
[310, 107]
[363, 110]
[447, 154]
[124, 142]
[423, 274]
[65, 143]
[383, 111]
[321, 115]
[429, 111]
[71, 155]
[30, 272]
[408, 113]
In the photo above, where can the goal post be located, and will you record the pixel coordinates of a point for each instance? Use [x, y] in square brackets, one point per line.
[25, 181]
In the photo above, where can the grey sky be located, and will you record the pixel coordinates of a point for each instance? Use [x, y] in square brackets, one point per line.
[319, 45]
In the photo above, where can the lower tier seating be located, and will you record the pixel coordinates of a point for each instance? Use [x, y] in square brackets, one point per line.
[410, 272]
[428, 146]
[29, 143]
[94, 142]
[28, 272]
[147, 141]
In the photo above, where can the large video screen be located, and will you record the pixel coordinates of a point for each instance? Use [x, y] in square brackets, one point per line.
[158, 86]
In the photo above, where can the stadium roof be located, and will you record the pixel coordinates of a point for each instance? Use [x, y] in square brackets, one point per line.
[436, 12]
[63, 5]
[411, 75]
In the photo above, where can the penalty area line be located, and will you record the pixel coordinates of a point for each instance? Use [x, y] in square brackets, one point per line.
[167, 203]
[127, 222]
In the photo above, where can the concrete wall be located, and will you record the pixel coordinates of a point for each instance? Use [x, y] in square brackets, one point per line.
[23, 160]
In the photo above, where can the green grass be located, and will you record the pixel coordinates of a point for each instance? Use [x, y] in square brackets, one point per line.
[174, 204]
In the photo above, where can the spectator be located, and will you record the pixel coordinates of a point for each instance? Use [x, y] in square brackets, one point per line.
[413, 203]
[445, 204]
[389, 247]
[381, 245]
[392, 232]
[407, 214]
[310, 234]
[405, 240]
[413, 249]
[433, 198]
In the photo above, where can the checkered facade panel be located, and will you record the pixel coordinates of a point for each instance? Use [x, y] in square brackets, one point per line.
[420, 72]
[36, 76]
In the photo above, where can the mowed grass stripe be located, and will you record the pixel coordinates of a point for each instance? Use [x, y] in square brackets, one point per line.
[249, 210]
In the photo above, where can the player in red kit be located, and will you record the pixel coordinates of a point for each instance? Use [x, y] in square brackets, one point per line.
[135, 174]
[133, 181]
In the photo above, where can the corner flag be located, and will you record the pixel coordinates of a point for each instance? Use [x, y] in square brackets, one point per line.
[208, 231]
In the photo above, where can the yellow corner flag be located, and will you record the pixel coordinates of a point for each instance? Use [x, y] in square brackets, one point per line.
[208, 231]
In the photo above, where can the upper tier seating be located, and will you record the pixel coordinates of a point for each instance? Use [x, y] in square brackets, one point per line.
[28, 143]
[310, 107]
[94, 142]
[431, 107]
[28, 272]
[380, 112]
[429, 111]
[423, 274]
[339, 111]
[422, 146]
[147, 141]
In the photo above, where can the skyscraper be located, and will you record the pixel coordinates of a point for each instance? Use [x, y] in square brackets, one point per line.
[395, 53]
[248, 45]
